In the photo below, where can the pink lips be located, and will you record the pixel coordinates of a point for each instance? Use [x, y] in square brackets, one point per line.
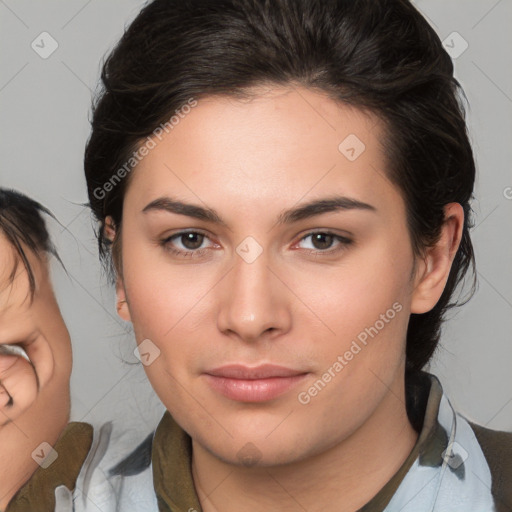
[256, 384]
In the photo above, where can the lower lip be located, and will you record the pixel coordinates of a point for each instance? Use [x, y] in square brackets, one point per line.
[253, 390]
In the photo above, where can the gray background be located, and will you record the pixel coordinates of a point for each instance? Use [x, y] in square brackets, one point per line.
[45, 105]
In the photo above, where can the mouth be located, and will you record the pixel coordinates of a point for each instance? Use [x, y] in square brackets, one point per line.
[253, 384]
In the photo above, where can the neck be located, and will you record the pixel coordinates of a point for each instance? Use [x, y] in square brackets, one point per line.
[342, 479]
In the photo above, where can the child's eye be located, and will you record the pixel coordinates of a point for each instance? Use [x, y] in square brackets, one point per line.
[12, 349]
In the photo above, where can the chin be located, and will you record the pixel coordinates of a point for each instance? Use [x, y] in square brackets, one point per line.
[256, 451]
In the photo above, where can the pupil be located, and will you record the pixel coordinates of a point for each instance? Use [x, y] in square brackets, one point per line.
[318, 237]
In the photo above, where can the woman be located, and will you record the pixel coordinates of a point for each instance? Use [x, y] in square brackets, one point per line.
[284, 189]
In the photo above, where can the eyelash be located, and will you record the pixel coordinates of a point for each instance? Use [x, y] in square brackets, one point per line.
[191, 253]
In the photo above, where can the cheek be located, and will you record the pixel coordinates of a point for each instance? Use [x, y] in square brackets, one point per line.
[162, 301]
[364, 302]
[164, 298]
[354, 294]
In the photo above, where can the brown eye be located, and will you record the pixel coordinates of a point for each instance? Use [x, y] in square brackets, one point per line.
[186, 244]
[191, 240]
[323, 241]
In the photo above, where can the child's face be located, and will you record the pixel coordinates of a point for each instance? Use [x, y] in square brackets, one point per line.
[38, 392]
[37, 326]
[254, 291]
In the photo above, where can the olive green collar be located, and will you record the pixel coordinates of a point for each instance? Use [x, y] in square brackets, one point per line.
[172, 459]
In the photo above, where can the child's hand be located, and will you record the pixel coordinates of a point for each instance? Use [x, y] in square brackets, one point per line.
[18, 383]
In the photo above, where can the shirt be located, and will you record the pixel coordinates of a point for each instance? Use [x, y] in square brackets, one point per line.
[454, 466]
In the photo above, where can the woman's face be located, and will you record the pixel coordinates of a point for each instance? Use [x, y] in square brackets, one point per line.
[237, 278]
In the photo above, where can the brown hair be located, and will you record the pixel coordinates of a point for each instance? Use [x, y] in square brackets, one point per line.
[22, 223]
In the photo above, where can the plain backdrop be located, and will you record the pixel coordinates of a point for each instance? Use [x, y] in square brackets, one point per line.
[45, 111]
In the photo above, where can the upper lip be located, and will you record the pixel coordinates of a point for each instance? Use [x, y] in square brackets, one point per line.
[264, 371]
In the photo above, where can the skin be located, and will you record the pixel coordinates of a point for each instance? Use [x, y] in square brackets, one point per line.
[293, 305]
[40, 389]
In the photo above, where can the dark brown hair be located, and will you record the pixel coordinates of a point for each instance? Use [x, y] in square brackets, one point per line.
[22, 223]
[380, 56]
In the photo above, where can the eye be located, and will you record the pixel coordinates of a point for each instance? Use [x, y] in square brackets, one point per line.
[190, 242]
[322, 241]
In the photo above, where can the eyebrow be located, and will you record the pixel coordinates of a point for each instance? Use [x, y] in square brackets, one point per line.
[304, 211]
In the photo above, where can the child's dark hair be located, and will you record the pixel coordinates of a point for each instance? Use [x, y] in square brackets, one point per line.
[22, 223]
[380, 56]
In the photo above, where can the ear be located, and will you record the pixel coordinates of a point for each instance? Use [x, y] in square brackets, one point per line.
[109, 230]
[122, 303]
[434, 268]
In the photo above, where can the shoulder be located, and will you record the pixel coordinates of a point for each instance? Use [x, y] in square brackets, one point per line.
[496, 446]
[58, 465]
[105, 465]
[117, 473]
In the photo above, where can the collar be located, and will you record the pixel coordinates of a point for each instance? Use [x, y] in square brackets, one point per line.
[38, 492]
[172, 468]
[172, 451]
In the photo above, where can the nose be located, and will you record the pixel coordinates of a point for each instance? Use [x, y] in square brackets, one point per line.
[254, 301]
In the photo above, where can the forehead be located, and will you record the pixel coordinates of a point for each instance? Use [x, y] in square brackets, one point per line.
[281, 142]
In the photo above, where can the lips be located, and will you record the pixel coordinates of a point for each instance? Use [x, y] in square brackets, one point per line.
[253, 384]
[237, 371]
